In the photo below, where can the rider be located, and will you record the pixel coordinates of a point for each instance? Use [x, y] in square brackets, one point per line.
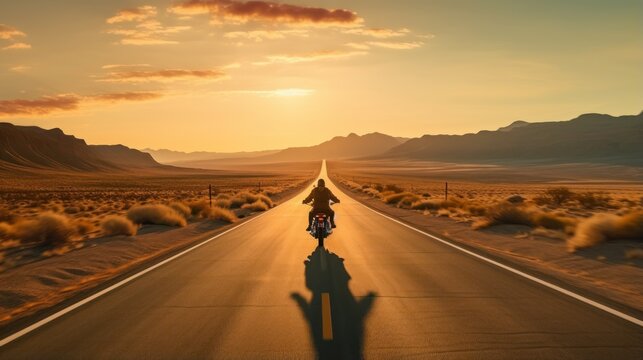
[321, 197]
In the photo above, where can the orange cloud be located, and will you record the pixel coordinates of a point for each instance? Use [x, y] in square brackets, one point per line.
[397, 45]
[381, 33]
[17, 46]
[163, 75]
[269, 11]
[308, 57]
[7, 32]
[260, 35]
[145, 30]
[44, 105]
[126, 96]
[137, 14]
[66, 102]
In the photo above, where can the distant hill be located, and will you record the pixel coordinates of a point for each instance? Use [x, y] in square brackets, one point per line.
[587, 138]
[25, 148]
[165, 156]
[123, 156]
[339, 147]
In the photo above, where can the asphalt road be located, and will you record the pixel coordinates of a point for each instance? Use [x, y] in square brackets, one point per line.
[378, 290]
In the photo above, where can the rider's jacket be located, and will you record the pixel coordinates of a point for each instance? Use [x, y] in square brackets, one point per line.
[321, 196]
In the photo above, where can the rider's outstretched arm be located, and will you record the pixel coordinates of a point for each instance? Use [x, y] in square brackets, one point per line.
[333, 197]
[309, 198]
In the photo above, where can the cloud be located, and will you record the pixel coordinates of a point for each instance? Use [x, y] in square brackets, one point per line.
[397, 45]
[66, 102]
[118, 66]
[140, 13]
[17, 46]
[142, 27]
[165, 75]
[42, 106]
[267, 11]
[20, 68]
[381, 33]
[125, 96]
[8, 33]
[260, 35]
[358, 46]
[308, 57]
[289, 92]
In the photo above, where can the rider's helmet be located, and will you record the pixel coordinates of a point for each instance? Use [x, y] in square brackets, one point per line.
[321, 183]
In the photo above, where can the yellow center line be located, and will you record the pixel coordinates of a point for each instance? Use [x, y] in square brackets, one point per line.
[327, 322]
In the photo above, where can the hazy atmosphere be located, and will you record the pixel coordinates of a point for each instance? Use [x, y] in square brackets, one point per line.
[321, 179]
[191, 75]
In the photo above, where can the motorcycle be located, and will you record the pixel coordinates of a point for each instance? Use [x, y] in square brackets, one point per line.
[321, 228]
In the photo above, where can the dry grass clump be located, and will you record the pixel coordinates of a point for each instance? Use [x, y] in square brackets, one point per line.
[199, 208]
[256, 206]
[181, 209]
[45, 229]
[217, 213]
[372, 192]
[114, 225]
[505, 213]
[156, 214]
[592, 200]
[433, 204]
[244, 197]
[222, 203]
[603, 227]
[632, 254]
[555, 196]
[512, 214]
[396, 198]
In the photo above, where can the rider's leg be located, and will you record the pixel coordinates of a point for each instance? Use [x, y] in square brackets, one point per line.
[310, 220]
[332, 218]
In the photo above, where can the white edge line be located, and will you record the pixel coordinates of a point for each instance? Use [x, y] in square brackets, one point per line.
[72, 307]
[593, 303]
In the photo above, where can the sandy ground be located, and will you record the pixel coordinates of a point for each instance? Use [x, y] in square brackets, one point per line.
[51, 276]
[605, 269]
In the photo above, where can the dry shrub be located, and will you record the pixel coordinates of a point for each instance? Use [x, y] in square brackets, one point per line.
[372, 192]
[222, 203]
[555, 196]
[432, 204]
[549, 220]
[217, 213]
[155, 214]
[199, 208]
[591, 200]
[181, 209]
[407, 201]
[395, 198]
[394, 188]
[72, 209]
[114, 225]
[256, 206]
[603, 227]
[84, 227]
[46, 229]
[505, 213]
[244, 197]
[632, 254]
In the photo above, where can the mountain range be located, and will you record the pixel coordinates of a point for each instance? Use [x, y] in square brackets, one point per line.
[596, 138]
[26, 148]
[587, 138]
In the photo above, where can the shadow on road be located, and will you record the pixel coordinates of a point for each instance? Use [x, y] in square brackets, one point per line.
[325, 274]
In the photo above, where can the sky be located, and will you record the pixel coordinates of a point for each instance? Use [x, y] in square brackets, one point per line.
[234, 75]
